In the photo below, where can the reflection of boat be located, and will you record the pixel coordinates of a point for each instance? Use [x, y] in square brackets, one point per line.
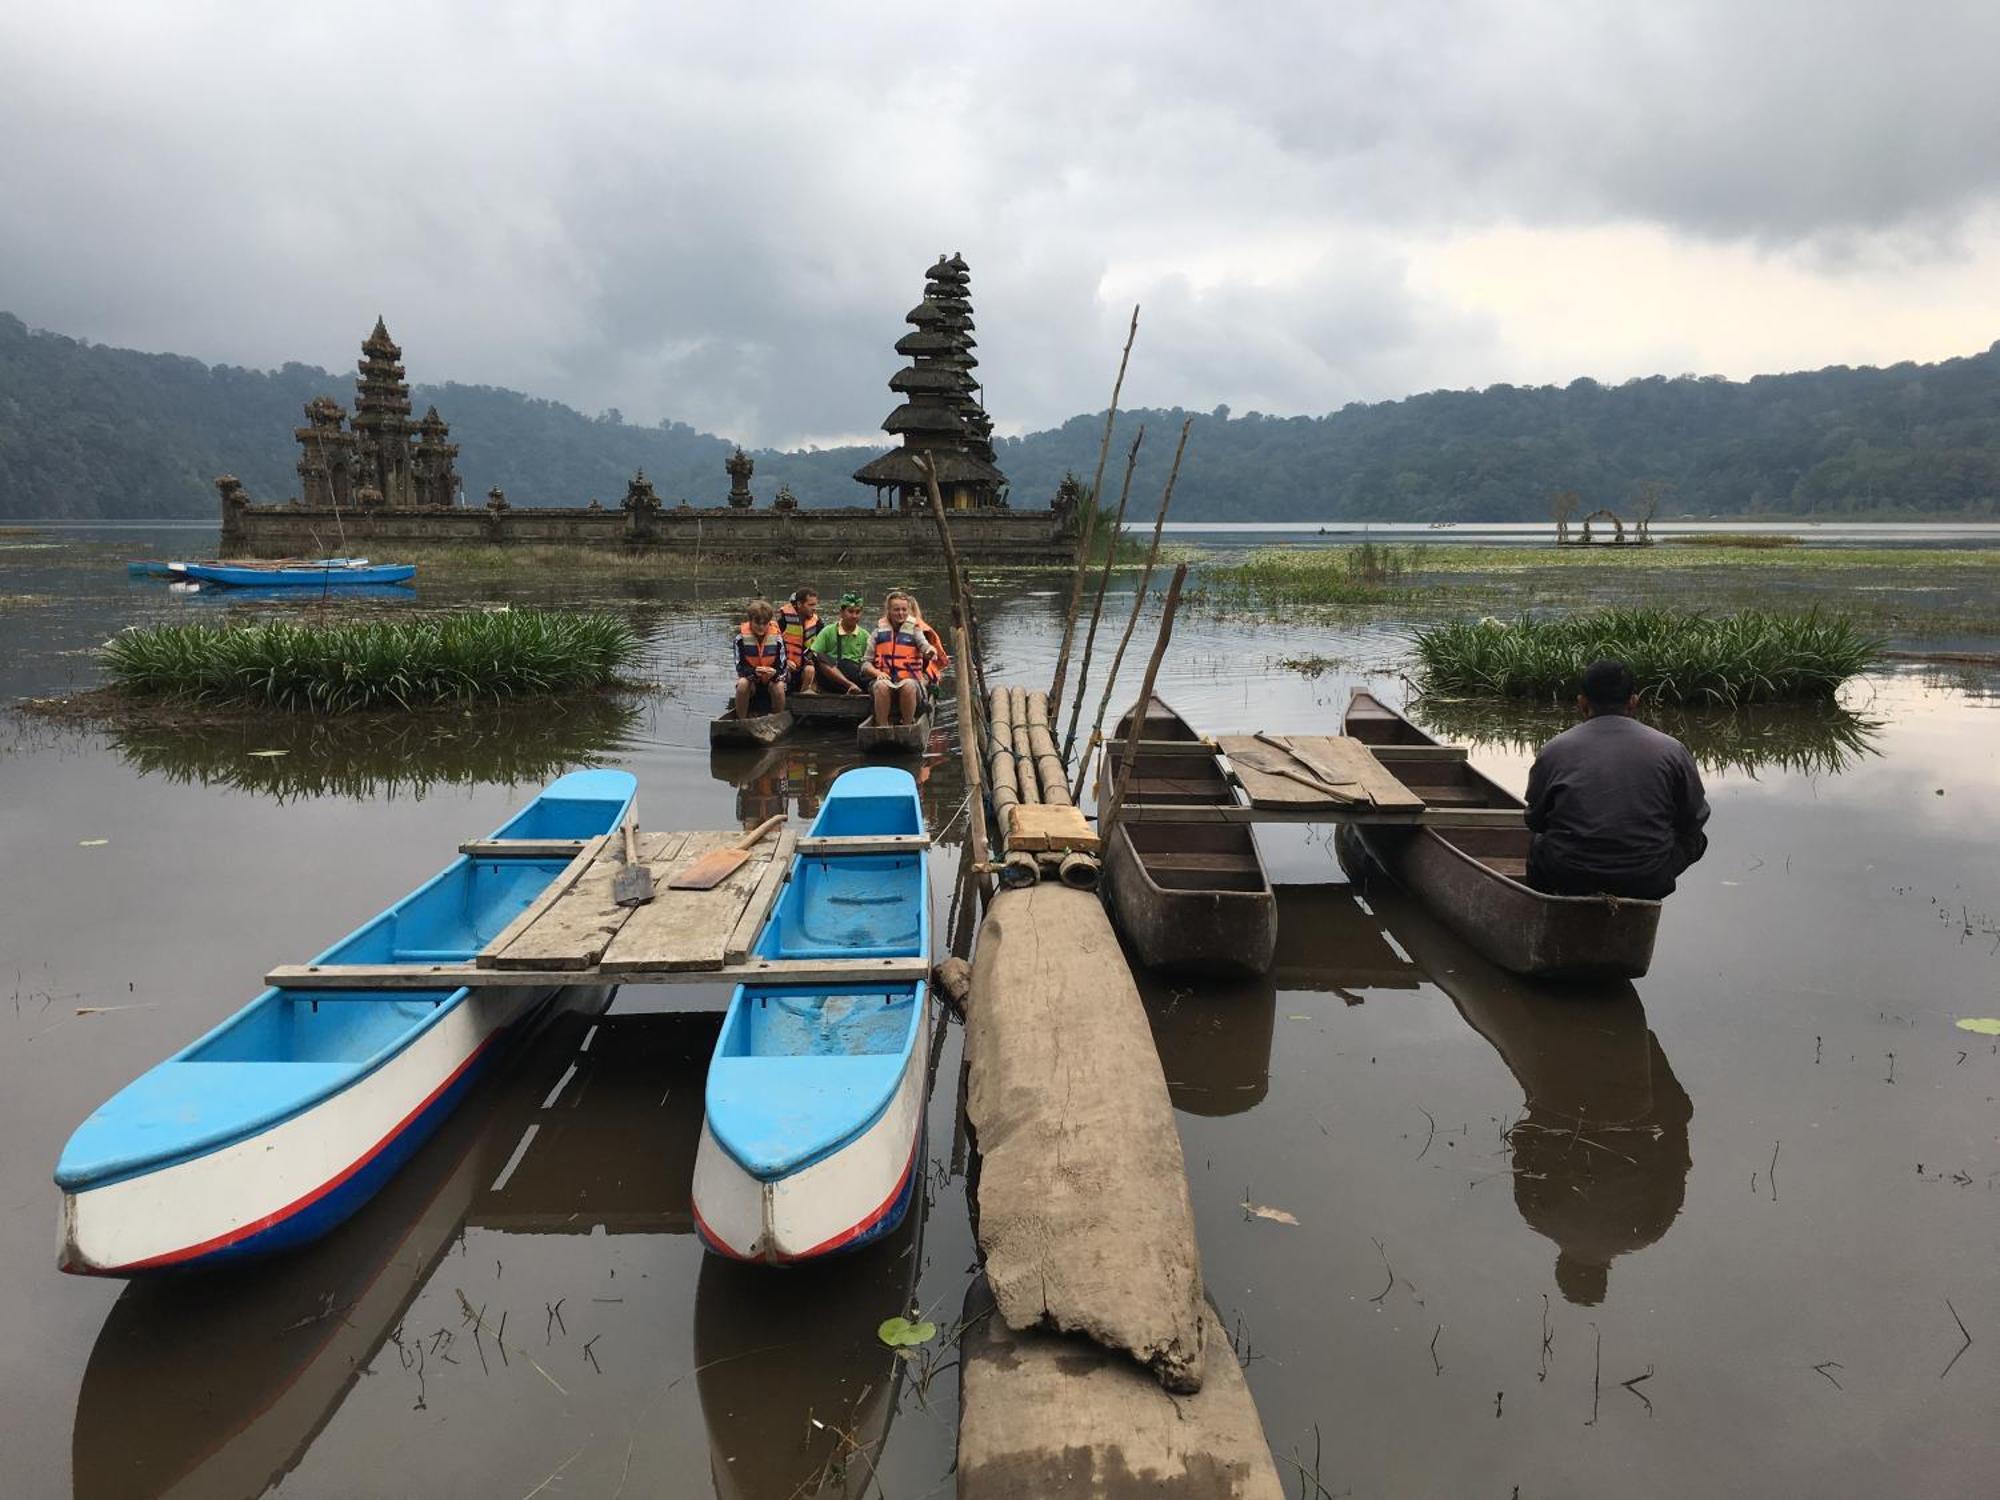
[284, 1119]
[327, 572]
[217, 1386]
[872, 738]
[797, 1389]
[1475, 878]
[759, 729]
[1188, 896]
[815, 1094]
[1600, 1159]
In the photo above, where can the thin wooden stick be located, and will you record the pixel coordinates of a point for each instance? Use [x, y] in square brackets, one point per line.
[1090, 519]
[968, 744]
[1097, 608]
[961, 586]
[1138, 604]
[1107, 818]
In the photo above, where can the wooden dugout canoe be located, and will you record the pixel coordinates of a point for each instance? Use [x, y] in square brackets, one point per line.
[1475, 879]
[893, 739]
[759, 729]
[1187, 896]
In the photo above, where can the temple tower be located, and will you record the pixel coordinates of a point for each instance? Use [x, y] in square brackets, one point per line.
[382, 425]
[740, 466]
[941, 416]
[326, 456]
[435, 474]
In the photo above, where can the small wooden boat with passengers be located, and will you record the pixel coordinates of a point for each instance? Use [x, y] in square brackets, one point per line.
[1476, 879]
[815, 1094]
[1187, 896]
[279, 1123]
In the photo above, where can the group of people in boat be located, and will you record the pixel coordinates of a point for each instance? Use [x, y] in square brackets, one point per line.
[898, 660]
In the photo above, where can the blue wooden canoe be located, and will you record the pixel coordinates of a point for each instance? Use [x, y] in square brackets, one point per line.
[815, 1095]
[333, 572]
[283, 1120]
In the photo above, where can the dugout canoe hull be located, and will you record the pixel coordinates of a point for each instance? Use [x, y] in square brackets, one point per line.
[1475, 879]
[893, 739]
[759, 729]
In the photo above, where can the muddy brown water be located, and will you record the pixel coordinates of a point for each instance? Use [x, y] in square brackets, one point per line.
[1694, 1235]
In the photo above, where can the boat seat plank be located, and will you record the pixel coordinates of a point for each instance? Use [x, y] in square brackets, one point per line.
[1372, 783]
[686, 929]
[1215, 862]
[574, 872]
[523, 848]
[399, 977]
[876, 843]
[1455, 796]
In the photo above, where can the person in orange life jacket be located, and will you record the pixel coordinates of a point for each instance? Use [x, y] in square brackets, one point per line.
[897, 665]
[839, 659]
[760, 660]
[934, 668]
[798, 620]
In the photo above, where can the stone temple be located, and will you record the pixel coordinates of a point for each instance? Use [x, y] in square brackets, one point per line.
[377, 480]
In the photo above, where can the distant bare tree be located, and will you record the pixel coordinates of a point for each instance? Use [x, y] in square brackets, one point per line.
[1562, 505]
[1647, 496]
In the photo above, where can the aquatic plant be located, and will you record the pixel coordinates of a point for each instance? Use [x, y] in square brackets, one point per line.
[1678, 656]
[343, 666]
[1758, 540]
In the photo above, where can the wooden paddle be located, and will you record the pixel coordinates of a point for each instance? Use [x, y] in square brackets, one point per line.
[633, 884]
[718, 865]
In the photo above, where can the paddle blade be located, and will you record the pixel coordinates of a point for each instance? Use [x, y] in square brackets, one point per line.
[709, 871]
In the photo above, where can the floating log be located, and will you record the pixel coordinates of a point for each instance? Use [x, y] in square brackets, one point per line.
[1044, 1416]
[1084, 1218]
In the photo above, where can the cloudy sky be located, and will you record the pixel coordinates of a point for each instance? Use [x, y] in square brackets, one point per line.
[720, 213]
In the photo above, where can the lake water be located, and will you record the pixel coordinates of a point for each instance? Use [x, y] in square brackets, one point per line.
[1696, 1236]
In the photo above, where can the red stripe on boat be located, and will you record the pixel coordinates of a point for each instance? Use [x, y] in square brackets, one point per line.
[258, 1226]
[848, 1236]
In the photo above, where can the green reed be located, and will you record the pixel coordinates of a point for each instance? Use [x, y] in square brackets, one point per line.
[341, 667]
[1678, 656]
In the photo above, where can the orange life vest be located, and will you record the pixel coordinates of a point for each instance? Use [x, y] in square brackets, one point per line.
[767, 650]
[898, 654]
[934, 670]
[798, 631]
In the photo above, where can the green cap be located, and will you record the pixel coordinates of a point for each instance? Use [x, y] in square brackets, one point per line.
[850, 600]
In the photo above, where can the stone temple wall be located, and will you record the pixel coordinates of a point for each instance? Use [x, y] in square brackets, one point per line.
[992, 537]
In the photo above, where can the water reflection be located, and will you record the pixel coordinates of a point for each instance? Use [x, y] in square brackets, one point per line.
[792, 776]
[294, 756]
[1600, 1156]
[1813, 739]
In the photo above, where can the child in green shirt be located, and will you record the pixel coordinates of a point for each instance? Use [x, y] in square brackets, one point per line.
[839, 653]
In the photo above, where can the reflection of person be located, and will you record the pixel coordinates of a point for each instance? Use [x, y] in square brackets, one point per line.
[898, 661]
[840, 651]
[760, 660]
[1615, 806]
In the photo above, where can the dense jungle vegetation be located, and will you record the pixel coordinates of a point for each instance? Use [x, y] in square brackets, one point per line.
[93, 432]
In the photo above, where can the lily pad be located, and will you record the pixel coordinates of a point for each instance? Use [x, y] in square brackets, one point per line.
[901, 1333]
[1984, 1025]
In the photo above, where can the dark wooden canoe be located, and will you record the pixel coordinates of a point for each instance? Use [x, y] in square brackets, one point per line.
[893, 739]
[758, 729]
[1474, 879]
[829, 709]
[1187, 896]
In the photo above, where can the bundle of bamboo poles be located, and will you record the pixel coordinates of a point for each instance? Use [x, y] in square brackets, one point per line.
[1024, 769]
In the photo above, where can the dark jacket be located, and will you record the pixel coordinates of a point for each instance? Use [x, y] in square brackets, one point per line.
[1618, 803]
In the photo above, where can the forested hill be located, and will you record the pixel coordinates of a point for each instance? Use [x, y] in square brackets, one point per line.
[88, 431]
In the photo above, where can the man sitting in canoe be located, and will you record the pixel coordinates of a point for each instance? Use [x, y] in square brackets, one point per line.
[1616, 807]
[837, 661]
[760, 660]
[898, 662]
[799, 622]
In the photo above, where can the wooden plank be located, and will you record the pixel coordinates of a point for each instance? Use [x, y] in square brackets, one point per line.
[574, 932]
[744, 934]
[381, 977]
[555, 889]
[881, 843]
[1427, 817]
[1033, 827]
[524, 848]
[686, 929]
[1257, 768]
[1390, 754]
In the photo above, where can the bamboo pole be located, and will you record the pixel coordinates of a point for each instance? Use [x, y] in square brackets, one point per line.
[1090, 519]
[1107, 818]
[1097, 608]
[973, 660]
[968, 743]
[1138, 603]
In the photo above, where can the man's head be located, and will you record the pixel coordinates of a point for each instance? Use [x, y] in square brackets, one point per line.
[1608, 687]
[850, 610]
[759, 614]
[896, 609]
[806, 601]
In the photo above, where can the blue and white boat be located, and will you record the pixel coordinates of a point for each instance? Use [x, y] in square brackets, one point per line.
[815, 1095]
[283, 1120]
[329, 572]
